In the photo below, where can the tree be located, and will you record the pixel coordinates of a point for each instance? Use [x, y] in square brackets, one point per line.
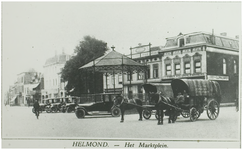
[83, 81]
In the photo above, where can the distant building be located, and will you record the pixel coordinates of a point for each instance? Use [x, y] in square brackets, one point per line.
[22, 92]
[53, 87]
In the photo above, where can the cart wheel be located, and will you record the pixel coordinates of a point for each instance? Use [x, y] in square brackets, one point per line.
[116, 112]
[53, 109]
[147, 113]
[63, 110]
[80, 113]
[193, 114]
[48, 109]
[185, 114]
[213, 109]
[69, 110]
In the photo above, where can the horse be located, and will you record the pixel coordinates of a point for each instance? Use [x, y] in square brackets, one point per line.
[125, 104]
[164, 103]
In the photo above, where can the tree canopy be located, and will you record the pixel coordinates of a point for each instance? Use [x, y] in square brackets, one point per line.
[82, 81]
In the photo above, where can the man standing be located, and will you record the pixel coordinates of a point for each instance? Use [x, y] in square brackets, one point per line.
[37, 108]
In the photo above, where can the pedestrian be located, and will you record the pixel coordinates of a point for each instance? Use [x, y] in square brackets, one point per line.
[36, 108]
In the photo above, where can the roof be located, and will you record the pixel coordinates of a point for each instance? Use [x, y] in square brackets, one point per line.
[203, 38]
[60, 59]
[114, 62]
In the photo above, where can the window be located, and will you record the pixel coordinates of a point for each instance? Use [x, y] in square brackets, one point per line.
[182, 43]
[168, 69]
[108, 81]
[197, 66]
[155, 70]
[177, 69]
[120, 79]
[113, 79]
[129, 76]
[197, 63]
[168, 62]
[187, 67]
[224, 66]
[235, 67]
[140, 76]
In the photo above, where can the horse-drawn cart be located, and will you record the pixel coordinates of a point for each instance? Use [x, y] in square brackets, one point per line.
[199, 95]
[150, 89]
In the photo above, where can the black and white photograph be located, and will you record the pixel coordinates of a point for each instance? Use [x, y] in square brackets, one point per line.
[121, 74]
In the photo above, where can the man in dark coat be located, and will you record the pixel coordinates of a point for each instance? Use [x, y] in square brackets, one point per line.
[37, 108]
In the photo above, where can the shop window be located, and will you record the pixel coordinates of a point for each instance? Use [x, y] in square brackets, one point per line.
[224, 66]
[155, 70]
[168, 69]
[177, 69]
[187, 67]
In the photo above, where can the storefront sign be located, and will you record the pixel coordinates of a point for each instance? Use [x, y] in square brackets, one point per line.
[167, 53]
[144, 54]
[196, 49]
[183, 75]
[221, 78]
[176, 52]
[154, 52]
[140, 49]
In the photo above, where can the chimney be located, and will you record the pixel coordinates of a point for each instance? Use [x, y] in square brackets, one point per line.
[223, 34]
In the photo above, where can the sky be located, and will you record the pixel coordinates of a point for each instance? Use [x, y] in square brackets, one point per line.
[35, 31]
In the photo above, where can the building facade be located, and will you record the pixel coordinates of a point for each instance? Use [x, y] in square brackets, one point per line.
[203, 55]
[53, 87]
[198, 55]
[23, 92]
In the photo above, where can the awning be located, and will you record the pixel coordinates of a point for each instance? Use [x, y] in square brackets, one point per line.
[13, 99]
[38, 86]
[33, 86]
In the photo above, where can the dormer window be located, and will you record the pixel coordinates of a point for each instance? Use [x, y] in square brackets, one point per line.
[181, 42]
